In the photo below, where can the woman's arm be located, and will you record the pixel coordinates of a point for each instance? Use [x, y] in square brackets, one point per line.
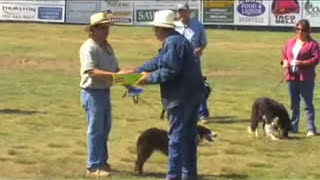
[315, 57]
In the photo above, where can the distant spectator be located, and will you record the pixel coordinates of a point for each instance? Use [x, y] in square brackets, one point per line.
[194, 31]
[300, 57]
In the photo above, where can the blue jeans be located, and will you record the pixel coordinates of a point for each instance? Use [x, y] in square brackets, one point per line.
[182, 142]
[98, 111]
[203, 111]
[304, 89]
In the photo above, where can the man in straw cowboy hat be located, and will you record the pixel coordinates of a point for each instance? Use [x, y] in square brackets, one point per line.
[182, 90]
[98, 64]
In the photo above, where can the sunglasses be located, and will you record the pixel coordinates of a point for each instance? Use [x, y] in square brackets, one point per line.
[300, 29]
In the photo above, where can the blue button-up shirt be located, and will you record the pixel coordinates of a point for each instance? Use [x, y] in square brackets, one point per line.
[174, 69]
[194, 31]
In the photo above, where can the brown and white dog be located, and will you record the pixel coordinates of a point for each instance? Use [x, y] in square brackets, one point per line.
[157, 139]
[273, 116]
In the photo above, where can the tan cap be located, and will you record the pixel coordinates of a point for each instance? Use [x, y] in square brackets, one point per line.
[164, 18]
[183, 6]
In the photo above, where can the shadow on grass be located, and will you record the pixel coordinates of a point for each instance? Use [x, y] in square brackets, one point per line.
[223, 176]
[226, 120]
[295, 138]
[18, 111]
[163, 175]
[145, 175]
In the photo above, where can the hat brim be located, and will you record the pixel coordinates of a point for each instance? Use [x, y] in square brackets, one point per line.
[87, 28]
[162, 25]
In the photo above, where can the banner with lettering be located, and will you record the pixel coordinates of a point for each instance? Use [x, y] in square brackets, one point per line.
[122, 10]
[285, 12]
[252, 12]
[144, 10]
[311, 11]
[79, 11]
[218, 12]
[33, 10]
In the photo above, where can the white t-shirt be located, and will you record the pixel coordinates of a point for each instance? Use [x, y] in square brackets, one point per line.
[295, 50]
[92, 56]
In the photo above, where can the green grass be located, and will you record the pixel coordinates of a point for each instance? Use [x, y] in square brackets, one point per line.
[43, 127]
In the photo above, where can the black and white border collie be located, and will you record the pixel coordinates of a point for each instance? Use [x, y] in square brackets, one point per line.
[273, 116]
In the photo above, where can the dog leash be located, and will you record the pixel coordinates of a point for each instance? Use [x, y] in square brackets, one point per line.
[281, 81]
[135, 92]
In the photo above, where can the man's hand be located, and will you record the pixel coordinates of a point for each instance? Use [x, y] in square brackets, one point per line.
[126, 71]
[144, 79]
[198, 51]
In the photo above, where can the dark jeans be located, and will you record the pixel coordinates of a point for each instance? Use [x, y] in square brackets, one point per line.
[305, 90]
[204, 111]
[182, 142]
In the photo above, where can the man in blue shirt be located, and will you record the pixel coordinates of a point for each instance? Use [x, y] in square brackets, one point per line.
[182, 90]
[194, 31]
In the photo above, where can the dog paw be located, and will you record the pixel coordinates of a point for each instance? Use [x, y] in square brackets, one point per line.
[249, 130]
[274, 138]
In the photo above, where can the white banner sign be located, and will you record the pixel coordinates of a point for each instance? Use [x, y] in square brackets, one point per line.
[252, 12]
[80, 11]
[285, 12]
[46, 11]
[144, 10]
[311, 12]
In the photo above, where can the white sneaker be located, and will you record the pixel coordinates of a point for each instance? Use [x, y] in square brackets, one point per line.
[310, 134]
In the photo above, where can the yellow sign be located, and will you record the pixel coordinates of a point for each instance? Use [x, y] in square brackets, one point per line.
[218, 3]
[126, 79]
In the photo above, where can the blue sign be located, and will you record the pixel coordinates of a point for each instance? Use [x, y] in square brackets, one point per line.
[50, 13]
[251, 8]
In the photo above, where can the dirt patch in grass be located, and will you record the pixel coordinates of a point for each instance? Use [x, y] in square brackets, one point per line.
[8, 63]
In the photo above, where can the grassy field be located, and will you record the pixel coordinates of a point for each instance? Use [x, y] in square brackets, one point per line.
[43, 127]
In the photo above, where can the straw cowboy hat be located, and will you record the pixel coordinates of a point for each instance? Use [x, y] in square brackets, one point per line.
[164, 18]
[99, 18]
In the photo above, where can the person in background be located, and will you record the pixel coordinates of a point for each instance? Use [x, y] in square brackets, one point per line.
[182, 90]
[301, 54]
[194, 31]
[98, 64]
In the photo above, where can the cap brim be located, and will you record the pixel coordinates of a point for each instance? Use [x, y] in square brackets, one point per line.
[161, 25]
[183, 9]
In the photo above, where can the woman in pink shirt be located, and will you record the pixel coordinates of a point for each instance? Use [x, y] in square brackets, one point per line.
[300, 57]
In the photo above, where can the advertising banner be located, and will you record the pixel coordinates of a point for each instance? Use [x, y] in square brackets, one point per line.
[80, 11]
[285, 12]
[311, 11]
[218, 12]
[251, 12]
[121, 10]
[144, 10]
[46, 11]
